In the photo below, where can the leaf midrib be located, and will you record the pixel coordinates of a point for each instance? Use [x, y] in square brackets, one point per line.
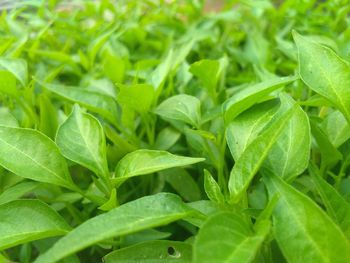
[37, 163]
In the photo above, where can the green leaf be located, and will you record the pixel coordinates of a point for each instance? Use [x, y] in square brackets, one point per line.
[303, 231]
[56, 56]
[30, 154]
[237, 243]
[111, 203]
[174, 57]
[82, 140]
[251, 95]
[212, 189]
[330, 155]
[16, 191]
[181, 107]
[289, 156]
[153, 252]
[143, 213]
[166, 138]
[337, 207]
[7, 119]
[324, 72]
[336, 128]
[208, 72]
[244, 129]
[138, 97]
[8, 83]
[114, 67]
[18, 67]
[92, 100]
[98, 42]
[26, 220]
[144, 236]
[142, 162]
[183, 183]
[255, 154]
[48, 117]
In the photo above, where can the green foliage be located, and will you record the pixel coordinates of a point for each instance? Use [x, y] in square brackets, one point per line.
[174, 131]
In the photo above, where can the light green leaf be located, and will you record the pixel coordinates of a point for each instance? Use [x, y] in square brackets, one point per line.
[114, 67]
[302, 229]
[237, 241]
[111, 203]
[138, 97]
[82, 140]
[174, 57]
[30, 154]
[255, 154]
[144, 161]
[337, 207]
[56, 56]
[247, 126]
[7, 119]
[153, 252]
[18, 67]
[143, 213]
[290, 154]
[98, 42]
[181, 107]
[26, 220]
[208, 71]
[324, 72]
[336, 128]
[8, 84]
[48, 117]
[212, 189]
[92, 100]
[251, 95]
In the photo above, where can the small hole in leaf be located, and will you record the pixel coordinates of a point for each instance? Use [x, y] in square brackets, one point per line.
[171, 251]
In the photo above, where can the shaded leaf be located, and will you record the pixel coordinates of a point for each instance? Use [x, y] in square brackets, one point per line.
[337, 207]
[152, 252]
[41, 222]
[183, 183]
[143, 213]
[92, 100]
[16, 191]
